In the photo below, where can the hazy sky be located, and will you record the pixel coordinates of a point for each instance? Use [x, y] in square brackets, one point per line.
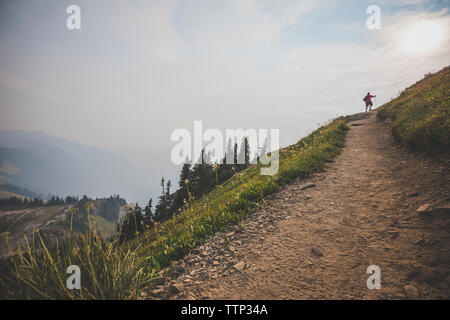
[137, 70]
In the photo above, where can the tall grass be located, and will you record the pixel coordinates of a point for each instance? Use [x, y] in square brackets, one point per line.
[421, 114]
[120, 271]
[108, 270]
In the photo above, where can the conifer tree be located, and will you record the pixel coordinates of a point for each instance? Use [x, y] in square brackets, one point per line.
[161, 207]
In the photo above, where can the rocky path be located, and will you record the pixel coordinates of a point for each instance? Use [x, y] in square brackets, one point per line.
[316, 238]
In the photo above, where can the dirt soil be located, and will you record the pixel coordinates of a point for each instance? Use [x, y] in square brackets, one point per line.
[316, 238]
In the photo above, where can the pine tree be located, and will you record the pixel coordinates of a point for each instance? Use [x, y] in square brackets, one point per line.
[148, 208]
[132, 224]
[181, 195]
[148, 214]
[225, 171]
[169, 200]
[161, 207]
[202, 177]
[229, 153]
[244, 155]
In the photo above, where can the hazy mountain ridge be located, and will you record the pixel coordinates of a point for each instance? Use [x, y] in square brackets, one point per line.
[49, 164]
[9, 190]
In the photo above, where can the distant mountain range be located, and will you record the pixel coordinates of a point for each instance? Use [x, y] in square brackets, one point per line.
[9, 190]
[49, 165]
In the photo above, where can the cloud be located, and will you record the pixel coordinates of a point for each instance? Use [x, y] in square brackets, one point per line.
[144, 29]
[34, 90]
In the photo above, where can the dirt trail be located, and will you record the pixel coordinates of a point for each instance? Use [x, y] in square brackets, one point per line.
[316, 243]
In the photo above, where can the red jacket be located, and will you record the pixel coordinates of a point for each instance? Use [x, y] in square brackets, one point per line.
[368, 98]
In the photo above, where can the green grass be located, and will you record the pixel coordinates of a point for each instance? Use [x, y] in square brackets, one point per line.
[104, 227]
[113, 271]
[421, 114]
[108, 270]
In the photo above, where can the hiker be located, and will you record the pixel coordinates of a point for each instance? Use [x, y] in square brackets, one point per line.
[368, 100]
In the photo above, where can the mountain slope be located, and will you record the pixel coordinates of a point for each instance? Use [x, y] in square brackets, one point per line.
[7, 194]
[316, 238]
[421, 114]
[53, 221]
[376, 205]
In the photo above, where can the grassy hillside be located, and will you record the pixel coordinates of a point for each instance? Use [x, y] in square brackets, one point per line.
[120, 271]
[421, 114]
[53, 220]
[6, 194]
[104, 227]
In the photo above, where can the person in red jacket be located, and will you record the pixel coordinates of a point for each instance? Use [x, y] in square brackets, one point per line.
[368, 100]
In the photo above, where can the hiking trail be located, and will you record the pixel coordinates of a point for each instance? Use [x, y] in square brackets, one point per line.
[315, 238]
